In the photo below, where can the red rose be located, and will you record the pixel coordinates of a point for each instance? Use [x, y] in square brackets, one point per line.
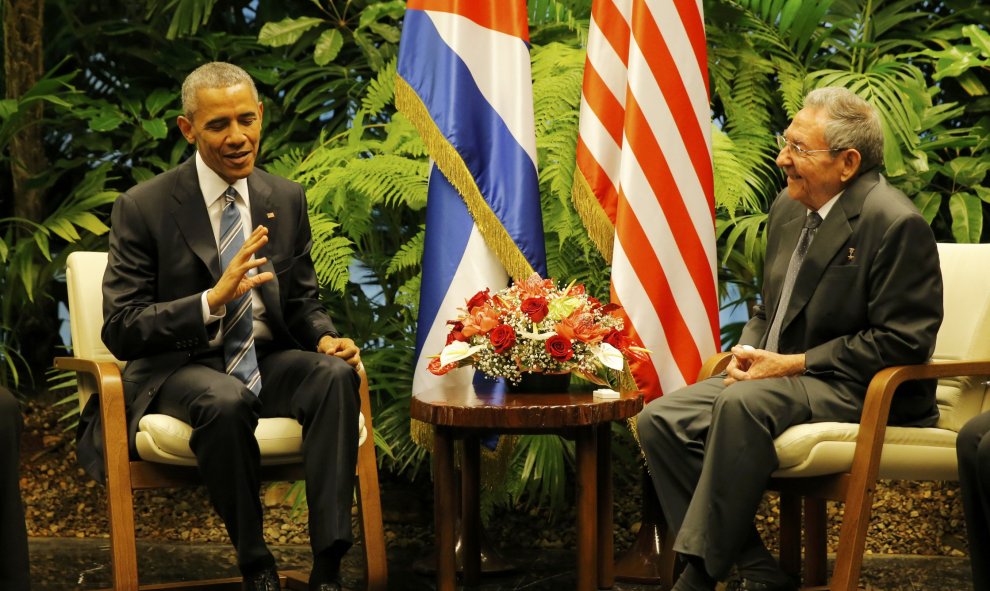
[609, 308]
[560, 348]
[502, 338]
[435, 368]
[455, 333]
[478, 299]
[617, 340]
[535, 308]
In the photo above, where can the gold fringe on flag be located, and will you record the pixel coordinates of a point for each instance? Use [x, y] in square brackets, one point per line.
[494, 463]
[453, 167]
[600, 228]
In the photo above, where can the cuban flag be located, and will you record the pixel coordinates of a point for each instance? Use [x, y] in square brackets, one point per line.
[464, 80]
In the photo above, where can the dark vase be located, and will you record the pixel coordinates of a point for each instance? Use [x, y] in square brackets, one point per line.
[542, 383]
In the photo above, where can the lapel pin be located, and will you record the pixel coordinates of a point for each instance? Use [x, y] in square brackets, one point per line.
[852, 254]
[270, 215]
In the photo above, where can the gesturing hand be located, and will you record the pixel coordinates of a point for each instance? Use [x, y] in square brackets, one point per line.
[340, 347]
[235, 281]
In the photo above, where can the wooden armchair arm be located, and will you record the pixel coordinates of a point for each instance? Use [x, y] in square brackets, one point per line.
[861, 483]
[100, 370]
[714, 365]
[113, 416]
[880, 395]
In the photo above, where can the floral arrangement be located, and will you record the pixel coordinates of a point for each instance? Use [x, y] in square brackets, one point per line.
[535, 326]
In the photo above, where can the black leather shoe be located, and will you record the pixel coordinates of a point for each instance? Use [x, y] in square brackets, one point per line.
[746, 584]
[265, 580]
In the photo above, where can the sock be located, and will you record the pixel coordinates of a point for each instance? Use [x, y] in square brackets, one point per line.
[694, 577]
[756, 563]
[326, 566]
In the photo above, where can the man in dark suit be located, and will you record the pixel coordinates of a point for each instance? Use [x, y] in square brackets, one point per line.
[851, 285]
[973, 452]
[221, 324]
[13, 537]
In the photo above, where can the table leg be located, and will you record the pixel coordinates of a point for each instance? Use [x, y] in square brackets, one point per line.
[444, 510]
[606, 561]
[470, 511]
[587, 489]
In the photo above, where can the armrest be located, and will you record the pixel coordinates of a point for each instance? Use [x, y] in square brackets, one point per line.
[100, 370]
[113, 417]
[714, 365]
[365, 398]
[880, 395]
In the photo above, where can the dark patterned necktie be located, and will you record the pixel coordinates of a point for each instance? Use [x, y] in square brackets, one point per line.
[238, 324]
[811, 223]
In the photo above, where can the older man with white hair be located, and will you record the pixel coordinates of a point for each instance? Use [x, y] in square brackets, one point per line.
[851, 285]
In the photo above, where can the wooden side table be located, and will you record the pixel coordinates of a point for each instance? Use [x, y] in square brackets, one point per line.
[462, 413]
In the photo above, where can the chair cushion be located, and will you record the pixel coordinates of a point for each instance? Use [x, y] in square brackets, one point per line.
[165, 439]
[814, 449]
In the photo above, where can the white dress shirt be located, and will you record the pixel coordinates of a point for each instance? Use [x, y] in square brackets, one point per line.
[213, 188]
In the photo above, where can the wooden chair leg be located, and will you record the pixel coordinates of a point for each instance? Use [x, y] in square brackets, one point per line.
[370, 503]
[816, 542]
[120, 497]
[790, 533]
[852, 539]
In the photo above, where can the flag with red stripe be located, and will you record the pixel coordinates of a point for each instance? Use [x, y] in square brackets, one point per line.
[652, 179]
[464, 80]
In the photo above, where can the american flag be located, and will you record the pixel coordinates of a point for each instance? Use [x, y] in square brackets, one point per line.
[644, 184]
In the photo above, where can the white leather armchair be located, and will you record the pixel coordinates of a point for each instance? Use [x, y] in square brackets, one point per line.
[163, 441]
[842, 461]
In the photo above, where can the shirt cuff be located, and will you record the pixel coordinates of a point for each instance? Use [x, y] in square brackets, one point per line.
[208, 318]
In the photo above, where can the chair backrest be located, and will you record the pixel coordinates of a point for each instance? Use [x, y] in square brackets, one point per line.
[84, 279]
[965, 331]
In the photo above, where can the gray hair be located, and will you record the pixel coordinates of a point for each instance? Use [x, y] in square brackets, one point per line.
[213, 75]
[852, 123]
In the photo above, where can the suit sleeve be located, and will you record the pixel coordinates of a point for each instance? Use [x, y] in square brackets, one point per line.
[904, 308]
[134, 324]
[304, 313]
[753, 331]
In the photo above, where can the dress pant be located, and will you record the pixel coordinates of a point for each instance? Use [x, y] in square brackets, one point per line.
[319, 391]
[973, 450]
[13, 536]
[710, 453]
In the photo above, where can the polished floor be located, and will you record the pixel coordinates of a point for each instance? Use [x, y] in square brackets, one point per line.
[59, 564]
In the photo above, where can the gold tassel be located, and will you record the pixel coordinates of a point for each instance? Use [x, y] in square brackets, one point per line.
[453, 167]
[631, 423]
[494, 463]
[590, 210]
[421, 434]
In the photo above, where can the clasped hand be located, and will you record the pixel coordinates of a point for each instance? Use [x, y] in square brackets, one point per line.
[754, 364]
[235, 280]
[340, 347]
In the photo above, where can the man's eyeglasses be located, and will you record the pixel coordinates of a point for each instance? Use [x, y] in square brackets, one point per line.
[797, 150]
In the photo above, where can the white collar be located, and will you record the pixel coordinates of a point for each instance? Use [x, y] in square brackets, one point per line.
[822, 211]
[212, 185]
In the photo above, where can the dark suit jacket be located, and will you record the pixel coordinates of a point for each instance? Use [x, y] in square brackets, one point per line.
[868, 295]
[163, 255]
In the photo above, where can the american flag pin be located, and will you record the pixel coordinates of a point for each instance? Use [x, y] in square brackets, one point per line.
[270, 215]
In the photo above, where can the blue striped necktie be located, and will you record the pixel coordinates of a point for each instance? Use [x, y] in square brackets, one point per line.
[238, 324]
